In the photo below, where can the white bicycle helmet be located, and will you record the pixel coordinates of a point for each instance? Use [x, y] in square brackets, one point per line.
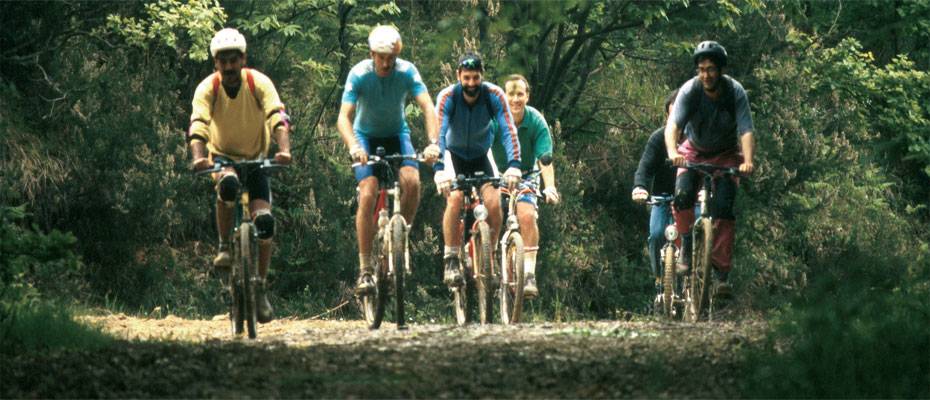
[227, 39]
[384, 39]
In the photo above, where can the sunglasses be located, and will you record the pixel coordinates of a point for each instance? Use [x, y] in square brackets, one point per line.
[470, 63]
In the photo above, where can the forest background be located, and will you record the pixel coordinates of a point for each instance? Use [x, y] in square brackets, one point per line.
[101, 212]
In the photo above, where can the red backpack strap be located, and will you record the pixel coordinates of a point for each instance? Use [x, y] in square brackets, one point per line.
[216, 86]
[251, 81]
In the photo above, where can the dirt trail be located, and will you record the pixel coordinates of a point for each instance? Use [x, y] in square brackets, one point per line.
[174, 357]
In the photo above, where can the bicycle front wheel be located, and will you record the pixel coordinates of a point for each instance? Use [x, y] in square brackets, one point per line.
[460, 297]
[512, 279]
[703, 242]
[669, 281]
[249, 262]
[373, 303]
[398, 265]
[482, 261]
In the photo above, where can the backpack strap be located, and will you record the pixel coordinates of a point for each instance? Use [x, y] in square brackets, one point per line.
[251, 80]
[217, 80]
[216, 87]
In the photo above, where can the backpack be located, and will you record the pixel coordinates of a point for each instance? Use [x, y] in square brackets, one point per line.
[217, 79]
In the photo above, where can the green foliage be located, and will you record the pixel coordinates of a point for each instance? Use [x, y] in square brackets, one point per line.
[196, 20]
[37, 272]
[93, 141]
[43, 326]
[859, 330]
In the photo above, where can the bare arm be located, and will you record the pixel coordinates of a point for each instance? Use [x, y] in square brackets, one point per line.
[282, 136]
[344, 125]
[748, 146]
[548, 175]
[429, 117]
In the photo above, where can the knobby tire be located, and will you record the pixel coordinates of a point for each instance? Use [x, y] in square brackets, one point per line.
[398, 260]
[484, 275]
[669, 281]
[703, 242]
[249, 263]
[513, 279]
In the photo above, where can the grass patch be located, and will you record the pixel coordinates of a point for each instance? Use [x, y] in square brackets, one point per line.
[45, 326]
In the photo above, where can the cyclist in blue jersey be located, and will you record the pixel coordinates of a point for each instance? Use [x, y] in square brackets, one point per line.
[372, 116]
[465, 111]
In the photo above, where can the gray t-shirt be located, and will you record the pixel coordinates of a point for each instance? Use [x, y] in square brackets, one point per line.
[711, 128]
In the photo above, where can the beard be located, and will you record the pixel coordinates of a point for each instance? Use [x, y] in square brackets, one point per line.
[470, 91]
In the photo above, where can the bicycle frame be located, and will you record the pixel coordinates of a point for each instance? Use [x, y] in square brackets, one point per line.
[244, 275]
[670, 298]
[703, 237]
[389, 242]
[481, 274]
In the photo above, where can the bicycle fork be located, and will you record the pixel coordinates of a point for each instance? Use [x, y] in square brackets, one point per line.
[386, 224]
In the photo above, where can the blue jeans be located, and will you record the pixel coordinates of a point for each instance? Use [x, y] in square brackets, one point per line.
[659, 218]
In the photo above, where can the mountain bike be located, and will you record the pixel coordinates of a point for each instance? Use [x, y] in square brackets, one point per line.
[390, 255]
[244, 277]
[698, 296]
[670, 301]
[511, 268]
[476, 265]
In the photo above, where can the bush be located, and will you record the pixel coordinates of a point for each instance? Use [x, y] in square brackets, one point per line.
[36, 269]
[860, 330]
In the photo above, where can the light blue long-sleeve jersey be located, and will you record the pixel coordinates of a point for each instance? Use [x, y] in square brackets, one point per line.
[466, 129]
[380, 101]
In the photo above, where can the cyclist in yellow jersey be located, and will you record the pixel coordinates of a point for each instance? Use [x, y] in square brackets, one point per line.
[236, 112]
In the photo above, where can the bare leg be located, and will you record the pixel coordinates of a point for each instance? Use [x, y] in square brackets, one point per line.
[450, 220]
[526, 214]
[492, 201]
[364, 222]
[410, 193]
[264, 246]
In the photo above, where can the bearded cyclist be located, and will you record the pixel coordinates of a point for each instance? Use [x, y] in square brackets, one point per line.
[236, 111]
[372, 116]
[713, 111]
[465, 111]
[535, 145]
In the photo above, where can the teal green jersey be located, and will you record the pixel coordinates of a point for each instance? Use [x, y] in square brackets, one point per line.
[535, 141]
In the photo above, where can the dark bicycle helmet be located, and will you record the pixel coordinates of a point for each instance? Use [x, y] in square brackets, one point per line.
[712, 49]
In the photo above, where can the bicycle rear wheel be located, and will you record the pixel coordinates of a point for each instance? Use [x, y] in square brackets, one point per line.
[249, 264]
[482, 248]
[703, 242]
[398, 265]
[512, 279]
[373, 303]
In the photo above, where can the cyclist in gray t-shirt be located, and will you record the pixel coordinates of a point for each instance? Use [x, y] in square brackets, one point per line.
[713, 110]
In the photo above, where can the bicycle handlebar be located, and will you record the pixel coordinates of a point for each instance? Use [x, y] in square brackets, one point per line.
[657, 200]
[376, 159]
[711, 168]
[262, 163]
[462, 182]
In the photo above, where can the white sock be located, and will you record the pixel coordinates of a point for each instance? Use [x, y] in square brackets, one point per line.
[364, 261]
[529, 260]
[450, 251]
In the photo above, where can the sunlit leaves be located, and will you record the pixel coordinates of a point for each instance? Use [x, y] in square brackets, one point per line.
[167, 20]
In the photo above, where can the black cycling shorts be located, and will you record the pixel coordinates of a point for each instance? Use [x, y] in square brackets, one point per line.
[259, 183]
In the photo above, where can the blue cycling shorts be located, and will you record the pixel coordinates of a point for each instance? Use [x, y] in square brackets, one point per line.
[392, 145]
